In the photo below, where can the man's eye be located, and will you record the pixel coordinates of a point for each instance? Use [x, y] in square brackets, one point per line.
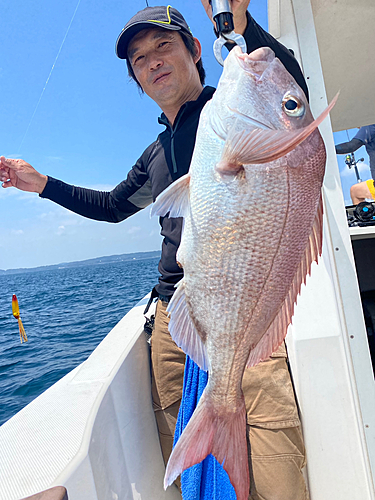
[162, 44]
[137, 59]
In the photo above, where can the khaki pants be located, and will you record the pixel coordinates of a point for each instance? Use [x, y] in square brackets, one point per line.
[277, 453]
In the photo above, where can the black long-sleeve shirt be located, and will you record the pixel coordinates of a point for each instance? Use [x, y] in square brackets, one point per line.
[164, 161]
[348, 147]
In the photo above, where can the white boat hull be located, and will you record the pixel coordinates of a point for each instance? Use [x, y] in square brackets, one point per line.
[94, 431]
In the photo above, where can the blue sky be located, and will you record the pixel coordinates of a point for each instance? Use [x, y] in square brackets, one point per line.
[347, 175]
[90, 126]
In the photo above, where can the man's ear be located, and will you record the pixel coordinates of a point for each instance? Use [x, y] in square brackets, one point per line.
[198, 50]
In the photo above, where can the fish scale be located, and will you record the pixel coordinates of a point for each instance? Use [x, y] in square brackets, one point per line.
[252, 212]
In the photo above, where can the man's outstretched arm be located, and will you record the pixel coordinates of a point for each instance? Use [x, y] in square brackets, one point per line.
[348, 147]
[109, 206]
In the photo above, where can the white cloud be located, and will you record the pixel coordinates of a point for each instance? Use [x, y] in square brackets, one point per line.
[16, 231]
[76, 221]
[45, 215]
[62, 216]
[54, 158]
[133, 230]
[9, 195]
[363, 169]
[53, 234]
[100, 187]
[11, 192]
[13, 155]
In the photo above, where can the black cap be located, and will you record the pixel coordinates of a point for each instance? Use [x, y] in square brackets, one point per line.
[162, 17]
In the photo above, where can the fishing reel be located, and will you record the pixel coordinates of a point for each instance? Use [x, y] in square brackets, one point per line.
[365, 212]
[361, 215]
[351, 162]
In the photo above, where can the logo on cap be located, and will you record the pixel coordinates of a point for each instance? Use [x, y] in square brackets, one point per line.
[162, 22]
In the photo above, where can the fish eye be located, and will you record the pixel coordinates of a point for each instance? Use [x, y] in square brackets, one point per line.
[292, 106]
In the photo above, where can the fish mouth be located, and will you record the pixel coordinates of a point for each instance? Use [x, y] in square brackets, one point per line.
[256, 62]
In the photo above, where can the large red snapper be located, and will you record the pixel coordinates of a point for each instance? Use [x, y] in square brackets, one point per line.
[252, 211]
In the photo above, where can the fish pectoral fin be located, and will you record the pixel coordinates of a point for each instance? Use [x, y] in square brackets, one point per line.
[254, 146]
[183, 331]
[277, 331]
[175, 199]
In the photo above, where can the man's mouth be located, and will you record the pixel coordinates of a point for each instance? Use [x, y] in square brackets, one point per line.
[160, 77]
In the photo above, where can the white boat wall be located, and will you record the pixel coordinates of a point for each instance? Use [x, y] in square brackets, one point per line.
[327, 343]
[94, 431]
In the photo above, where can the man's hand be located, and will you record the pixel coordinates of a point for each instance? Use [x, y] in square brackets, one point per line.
[239, 8]
[19, 174]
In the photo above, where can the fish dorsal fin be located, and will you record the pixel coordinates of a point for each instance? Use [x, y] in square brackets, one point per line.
[182, 329]
[175, 199]
[277, 331]
[255, 146]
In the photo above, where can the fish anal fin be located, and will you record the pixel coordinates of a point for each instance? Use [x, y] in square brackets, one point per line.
[174, 199]
[182, 328]
[277, 331]
[222, 435]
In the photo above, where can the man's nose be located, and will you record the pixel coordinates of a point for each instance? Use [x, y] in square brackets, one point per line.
[155, 62]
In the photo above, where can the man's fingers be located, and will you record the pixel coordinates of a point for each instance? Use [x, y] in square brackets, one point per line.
[14, 164]
[8, 163]
[4, 161]
[207, 7]
[7, 184]
[4, 176]
[20, 174]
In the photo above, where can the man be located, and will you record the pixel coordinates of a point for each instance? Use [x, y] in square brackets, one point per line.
[164, 59]
[362, 191]
[364, 137]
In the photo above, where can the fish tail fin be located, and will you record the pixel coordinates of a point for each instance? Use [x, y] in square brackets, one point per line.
[221, 434]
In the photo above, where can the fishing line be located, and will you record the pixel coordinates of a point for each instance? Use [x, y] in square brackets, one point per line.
[49, 76]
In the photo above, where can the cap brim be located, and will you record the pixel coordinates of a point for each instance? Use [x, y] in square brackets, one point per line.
[127, 34]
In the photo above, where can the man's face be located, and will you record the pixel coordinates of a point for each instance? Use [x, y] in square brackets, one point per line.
[163, 66]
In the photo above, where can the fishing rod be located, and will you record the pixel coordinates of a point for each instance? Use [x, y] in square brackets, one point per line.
[351, 162]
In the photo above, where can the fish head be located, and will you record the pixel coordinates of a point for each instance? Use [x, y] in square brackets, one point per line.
[262, 114]
[257, 89]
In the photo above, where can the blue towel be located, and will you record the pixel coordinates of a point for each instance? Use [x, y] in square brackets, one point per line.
[206, 480]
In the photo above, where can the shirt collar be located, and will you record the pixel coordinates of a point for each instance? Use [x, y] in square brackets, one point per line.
[204, 96]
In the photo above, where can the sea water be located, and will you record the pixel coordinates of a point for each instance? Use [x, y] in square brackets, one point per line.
[66, 313]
